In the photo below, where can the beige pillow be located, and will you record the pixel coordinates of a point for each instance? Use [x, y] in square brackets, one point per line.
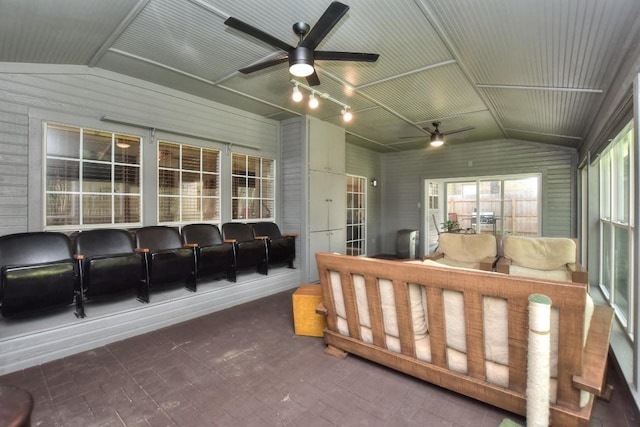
[541, 253]
[467, 247]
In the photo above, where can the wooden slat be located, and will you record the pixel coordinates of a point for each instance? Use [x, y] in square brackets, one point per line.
[437, 335]
[350, 305]
[375, 311]
[474, 322]
[570, 338]
[404, 316]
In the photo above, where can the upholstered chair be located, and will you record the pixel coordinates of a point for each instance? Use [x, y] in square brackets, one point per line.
[281, 247]
[550, 258]
[476, 251]
[216, 257]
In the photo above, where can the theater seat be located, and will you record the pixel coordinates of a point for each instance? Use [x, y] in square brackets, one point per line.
[216, 258]
[38, 272]
[281, 247]
[168, 260]
[110, 265]
[251, 252]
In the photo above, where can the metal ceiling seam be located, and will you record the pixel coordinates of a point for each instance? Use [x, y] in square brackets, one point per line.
[209, 8]
[407, 73]
[429, 15]
[115, 35]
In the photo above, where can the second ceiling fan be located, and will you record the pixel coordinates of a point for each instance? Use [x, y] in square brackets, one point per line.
[301, 58]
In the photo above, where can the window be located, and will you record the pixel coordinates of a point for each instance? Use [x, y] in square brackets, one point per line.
[253, 187]
[188, 183]
[497, 205]
[616, 225]
[356, 215]
[92, 177]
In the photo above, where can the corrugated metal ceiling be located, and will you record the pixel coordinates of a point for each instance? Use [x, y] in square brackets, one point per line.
[535, 70]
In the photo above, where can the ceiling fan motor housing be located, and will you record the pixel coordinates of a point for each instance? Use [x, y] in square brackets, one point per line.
[301, 55]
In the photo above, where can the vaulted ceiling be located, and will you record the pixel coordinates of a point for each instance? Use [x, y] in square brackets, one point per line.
[533, 70]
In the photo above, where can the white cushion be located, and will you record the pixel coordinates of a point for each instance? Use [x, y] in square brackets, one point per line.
[540, 253]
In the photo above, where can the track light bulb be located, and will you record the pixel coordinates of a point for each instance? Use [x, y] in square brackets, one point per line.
[346, 115]
[297, 95]
[313, 101]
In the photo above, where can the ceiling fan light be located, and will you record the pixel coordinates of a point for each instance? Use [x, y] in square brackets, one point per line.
[297, 95]
[437, 139]
[301, 62]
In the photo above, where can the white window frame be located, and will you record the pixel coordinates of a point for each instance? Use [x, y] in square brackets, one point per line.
[261, 181]
[80, 192]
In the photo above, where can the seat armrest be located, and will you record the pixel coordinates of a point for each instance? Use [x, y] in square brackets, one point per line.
[230, 240]
[433, 257]
[262, 237]
[594, 354]
[290, 235]
[488, 263]
[579, 273]
[503, 265]
[142, 250]
[321, 309]
[78, 257]
[190, 245]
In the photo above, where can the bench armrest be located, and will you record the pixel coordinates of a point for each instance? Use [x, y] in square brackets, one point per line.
[579, 273]
[503, 265]
[433, 257]
[594, 354]
[488, 263]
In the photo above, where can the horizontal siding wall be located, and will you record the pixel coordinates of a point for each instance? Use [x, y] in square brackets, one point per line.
[81, 96]
[14, 167]
[405, 172]
[367, 163]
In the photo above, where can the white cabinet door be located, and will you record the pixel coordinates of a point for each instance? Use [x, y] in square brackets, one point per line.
[327, 201]
[324, 241]
[326, 147]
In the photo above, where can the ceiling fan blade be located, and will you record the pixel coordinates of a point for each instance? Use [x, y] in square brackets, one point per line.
[313, 79]
[259, 34]
[345, 56]
[325, 24]
[262, 65]
[458, 130]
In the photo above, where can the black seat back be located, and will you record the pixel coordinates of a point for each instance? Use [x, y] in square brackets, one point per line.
[34, 248]
[202, 234]
[158, 238]
[238, 231]
[103, 242]
[270, 229]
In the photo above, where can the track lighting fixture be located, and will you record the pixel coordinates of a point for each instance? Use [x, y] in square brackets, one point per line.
[346, 114]
[297, 95]
[314, 102]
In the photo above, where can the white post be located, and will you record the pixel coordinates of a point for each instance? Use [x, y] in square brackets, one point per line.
[538, 360]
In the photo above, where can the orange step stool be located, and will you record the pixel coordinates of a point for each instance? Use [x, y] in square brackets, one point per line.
[305, 319]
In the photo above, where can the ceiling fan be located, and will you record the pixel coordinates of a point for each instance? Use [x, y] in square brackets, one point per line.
[437, 137]
[302, 56]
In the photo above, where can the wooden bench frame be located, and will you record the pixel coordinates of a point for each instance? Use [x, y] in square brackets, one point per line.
[579, 368]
